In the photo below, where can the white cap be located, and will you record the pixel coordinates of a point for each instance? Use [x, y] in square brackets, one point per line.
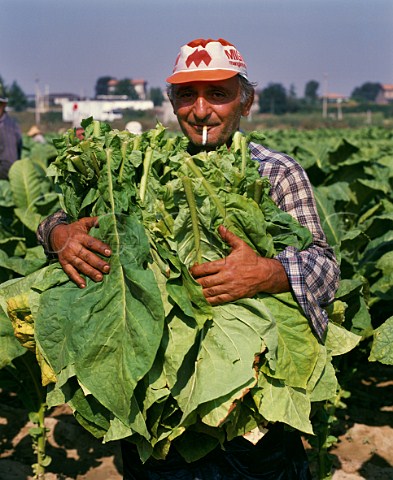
[207, 60]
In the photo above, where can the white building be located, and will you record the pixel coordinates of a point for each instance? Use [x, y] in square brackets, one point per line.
[102, 110]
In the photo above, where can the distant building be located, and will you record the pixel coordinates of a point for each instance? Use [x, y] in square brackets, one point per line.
[112, 84]
[140, 86]
[102, 110]
[60, 98]
[385, 95]
[335, 97]
[49, 100]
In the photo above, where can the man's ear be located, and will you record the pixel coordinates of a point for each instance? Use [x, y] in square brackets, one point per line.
[247, 106]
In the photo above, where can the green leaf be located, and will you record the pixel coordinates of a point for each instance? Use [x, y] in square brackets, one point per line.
[340, 340]
[45, 461]
[120, 323]
[382, 346]
[225, 354]
[326, 386]
[25, 184]
[280, 403]
[294, 363]
[330, 219]
[10, 347]
[342, 152]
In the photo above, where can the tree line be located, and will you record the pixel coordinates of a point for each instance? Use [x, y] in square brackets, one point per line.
[274, 98]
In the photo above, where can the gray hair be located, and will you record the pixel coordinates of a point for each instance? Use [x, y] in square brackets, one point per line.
[247, 90]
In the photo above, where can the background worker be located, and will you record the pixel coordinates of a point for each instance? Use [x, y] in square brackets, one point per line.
[210, 92]
[36, 135]
[10, 138]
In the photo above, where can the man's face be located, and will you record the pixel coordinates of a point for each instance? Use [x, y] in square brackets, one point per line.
[215, 105]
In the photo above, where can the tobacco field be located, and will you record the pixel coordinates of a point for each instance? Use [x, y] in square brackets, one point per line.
[127, 179]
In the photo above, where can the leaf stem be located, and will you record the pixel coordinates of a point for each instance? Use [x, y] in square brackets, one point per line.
[258, 191]
[96, 128]
[167, 219]
[209, 189]
[39, 434]
[42, 459]
[123, 149]
[110, 179]
[244, 154]
[187, 184]
[146, 169]
[236, 141]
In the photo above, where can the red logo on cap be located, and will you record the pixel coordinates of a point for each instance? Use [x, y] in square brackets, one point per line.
[233, 54]
[198, 57]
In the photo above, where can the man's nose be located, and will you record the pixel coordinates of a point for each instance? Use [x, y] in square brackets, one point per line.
[201, 107]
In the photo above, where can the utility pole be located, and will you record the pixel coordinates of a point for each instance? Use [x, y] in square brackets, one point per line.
[324, 98]
[37, 102]
[339, 109]
[46, 99]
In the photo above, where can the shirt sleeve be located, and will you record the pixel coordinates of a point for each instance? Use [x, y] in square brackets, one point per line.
[19, 144]
[45, 228]
[314, 272]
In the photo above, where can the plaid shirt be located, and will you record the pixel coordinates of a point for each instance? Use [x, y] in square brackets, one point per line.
[313, 273]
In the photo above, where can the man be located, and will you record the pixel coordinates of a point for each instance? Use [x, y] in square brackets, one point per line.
[210, 92]
[10, 138]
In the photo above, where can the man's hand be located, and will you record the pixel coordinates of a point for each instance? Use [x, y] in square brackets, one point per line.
[75, 249]
[242, 274]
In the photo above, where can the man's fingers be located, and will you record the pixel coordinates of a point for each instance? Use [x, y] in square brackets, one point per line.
[230, 238]
[73, 274]
[90, 242]
[208, 268]
[79, 267]
[96, 245]
[89, 222]
[83, 267]
[218, 295]
[220, 299]
[88, 262]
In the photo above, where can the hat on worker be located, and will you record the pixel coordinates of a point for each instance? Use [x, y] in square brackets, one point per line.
[34, 130]
[207, 60]
[3, 97]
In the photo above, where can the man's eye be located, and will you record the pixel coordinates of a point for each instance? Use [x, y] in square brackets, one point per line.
[184, 95]
[217, 94]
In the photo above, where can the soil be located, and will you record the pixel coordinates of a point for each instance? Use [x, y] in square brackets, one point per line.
[363, 450]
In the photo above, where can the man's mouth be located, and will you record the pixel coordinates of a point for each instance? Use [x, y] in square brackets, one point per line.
[200, 129]
[204, 132]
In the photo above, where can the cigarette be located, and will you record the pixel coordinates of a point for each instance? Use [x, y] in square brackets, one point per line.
[204, 135]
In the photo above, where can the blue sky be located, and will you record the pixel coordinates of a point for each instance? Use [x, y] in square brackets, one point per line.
[64, 46]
